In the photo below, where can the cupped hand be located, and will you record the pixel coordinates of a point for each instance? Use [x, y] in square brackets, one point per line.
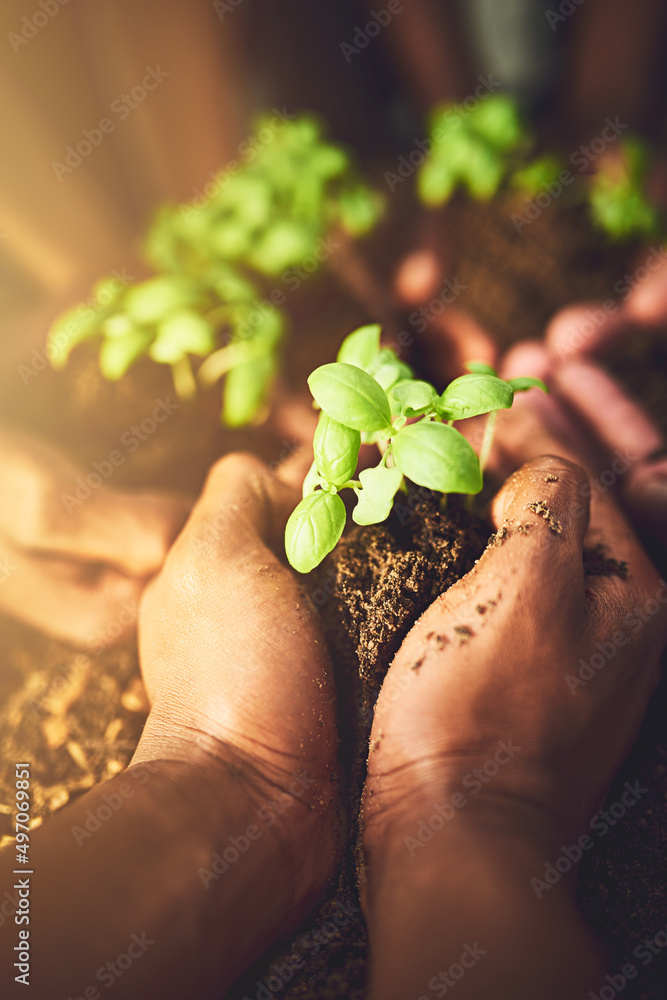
[74, 564]
[231, 655]
[528, 670]
[577, 338]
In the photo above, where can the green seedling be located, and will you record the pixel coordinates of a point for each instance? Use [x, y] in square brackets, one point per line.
[268, 213]
[473, 150]
[290, 192]
[617, 200]
[369, 396]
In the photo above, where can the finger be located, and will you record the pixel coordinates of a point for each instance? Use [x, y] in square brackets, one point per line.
[645, 497]
[243, 507]
[542, 512]
[82, 605]
[129, 531]
[618, 421]
[418, 278]
[646, 302]
[537, 424]
[584, 329]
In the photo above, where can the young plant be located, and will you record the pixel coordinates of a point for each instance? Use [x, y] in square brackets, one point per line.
[617, 200]
[471, 149]
[369, 396]
[206, 301]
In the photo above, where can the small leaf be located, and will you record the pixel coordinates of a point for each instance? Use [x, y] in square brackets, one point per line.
[480, 368]
[246, 389]
[379, 486]
[118, 353]
[336, 450]
[350, 396]
[524, 382]
[311, 482]
[361, 347]
[438, 457]
[470, 395]
[153, 299]
[435, 183]
[313, 530]
[414, 396]
[182, 333]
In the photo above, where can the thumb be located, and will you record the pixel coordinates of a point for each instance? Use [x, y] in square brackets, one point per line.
[541, 515]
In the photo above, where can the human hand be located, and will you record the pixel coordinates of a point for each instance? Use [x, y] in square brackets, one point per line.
[512, 673]
[233, 661]
[576, 338]
[76, 570]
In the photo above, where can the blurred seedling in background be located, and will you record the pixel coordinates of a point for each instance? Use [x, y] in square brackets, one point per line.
[618, 202]
[369, 396]
[489, 148]
[213, 260]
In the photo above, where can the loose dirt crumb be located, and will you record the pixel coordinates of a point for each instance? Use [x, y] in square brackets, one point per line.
[417, 664]
[539, 507]
[464, 631]
[523, 529]
[501, 534]
[598, 563]
[481, 609]
[551, 478]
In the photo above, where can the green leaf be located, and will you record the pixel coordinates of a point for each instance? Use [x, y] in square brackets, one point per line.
[182, 333]
[284, 243]
[350, 396]
[359, 210]
[361, 347]
[70, 329]
[435, 183]
[379, 486]
[497, 120]
[313, 530]
[438, 457]
[152, 300]
[414, 396]
[336, 450]
[118, 325]
[470, 395]
[523, 383]
[246, 390]
[312, 481]
[118, 353]
[480, 368]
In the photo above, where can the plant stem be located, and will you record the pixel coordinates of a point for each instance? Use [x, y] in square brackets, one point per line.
[220, 362]
[184, 381]
[487, 440]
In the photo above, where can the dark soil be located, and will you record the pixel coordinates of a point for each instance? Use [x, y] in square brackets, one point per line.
[369, 591]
